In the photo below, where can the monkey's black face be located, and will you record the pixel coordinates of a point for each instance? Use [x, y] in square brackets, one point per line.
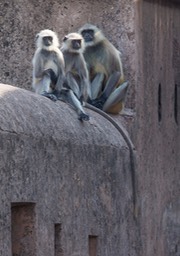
[47, 40]
[76, 44]
[88, 35]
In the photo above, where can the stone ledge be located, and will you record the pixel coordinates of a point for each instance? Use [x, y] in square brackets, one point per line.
[24, 112]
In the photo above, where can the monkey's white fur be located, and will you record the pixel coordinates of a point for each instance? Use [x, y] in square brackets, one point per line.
[75, 66]
[69, 38]
[41, 62]
[44, 33]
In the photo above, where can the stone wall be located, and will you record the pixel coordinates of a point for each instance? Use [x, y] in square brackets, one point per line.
[157, 126]
[66, 186]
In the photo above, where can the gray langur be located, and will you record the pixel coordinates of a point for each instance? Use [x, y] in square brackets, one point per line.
[48, 64]
[77, 76]
[48, 72]
[108, 89]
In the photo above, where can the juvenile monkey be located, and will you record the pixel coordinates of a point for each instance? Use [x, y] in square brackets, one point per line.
[75, 66]
[48, 64]
[105, 70]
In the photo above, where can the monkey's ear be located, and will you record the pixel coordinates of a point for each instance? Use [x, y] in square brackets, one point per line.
[65, 38]
[36, 37]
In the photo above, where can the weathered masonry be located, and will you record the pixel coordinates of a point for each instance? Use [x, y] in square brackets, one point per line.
[66, 186]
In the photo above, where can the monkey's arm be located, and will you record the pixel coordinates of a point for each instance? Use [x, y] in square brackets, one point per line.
[60, 59]
[61, 74]
[117, 65]
[85, 90]
[38, 65]
[121, 69]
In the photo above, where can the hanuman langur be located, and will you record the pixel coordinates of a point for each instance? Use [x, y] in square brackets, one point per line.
[48, 64]
[48, 72]
[105, 70]
[75, 66]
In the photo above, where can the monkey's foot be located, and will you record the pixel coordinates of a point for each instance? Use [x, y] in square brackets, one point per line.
[50, 96]
[57, 93]
[98, 103]
[83, 117]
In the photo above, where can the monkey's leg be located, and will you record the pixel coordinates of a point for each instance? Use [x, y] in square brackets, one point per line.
[60, 82]
[116, 97]
[73, 84]
[68, 96]
[53, 77]
[77, 105]
[96, 85]
[110, 85]
[43, 88]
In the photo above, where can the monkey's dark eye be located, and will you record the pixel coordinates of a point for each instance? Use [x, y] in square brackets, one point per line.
[88, 35]
[76, 44]
[47, 40]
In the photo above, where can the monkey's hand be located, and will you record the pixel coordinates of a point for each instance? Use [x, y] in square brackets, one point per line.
[57, 93]
[83, 117]
[49, 72]
[50, 96]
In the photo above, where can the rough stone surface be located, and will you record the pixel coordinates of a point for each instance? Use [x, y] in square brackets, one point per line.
[78, 175]
[156, 130]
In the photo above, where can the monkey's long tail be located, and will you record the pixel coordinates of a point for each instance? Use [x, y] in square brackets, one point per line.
[131, 149]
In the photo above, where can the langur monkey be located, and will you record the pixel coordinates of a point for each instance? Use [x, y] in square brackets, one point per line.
[48, 72]
[48, 65]
[77, 76]
[105, 70]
